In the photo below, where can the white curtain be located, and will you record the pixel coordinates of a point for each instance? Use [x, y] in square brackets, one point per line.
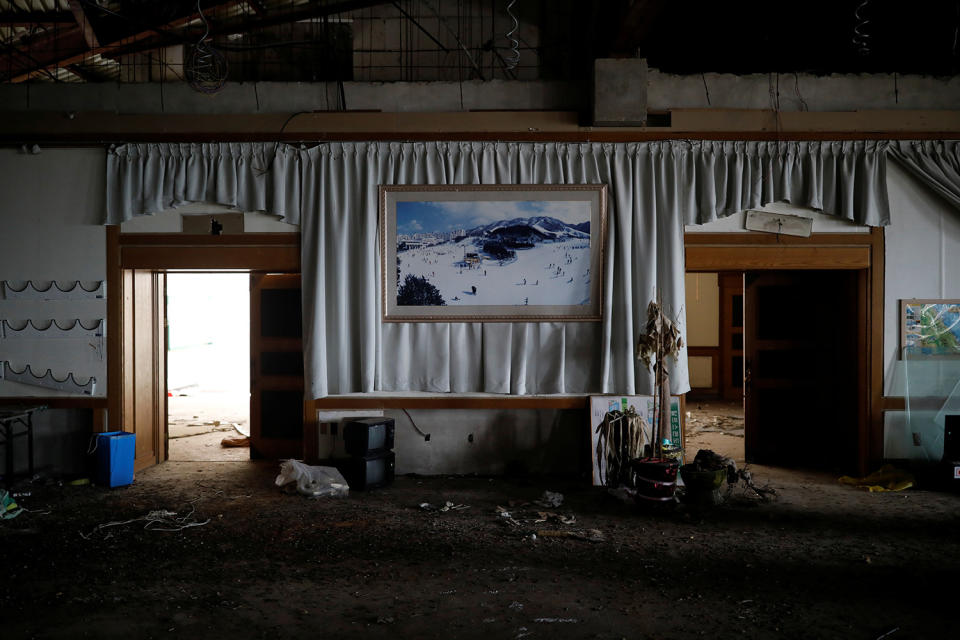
[936, 163]
[655, 188]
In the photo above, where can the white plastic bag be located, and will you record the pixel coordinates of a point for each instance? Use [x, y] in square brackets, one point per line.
[312, 481]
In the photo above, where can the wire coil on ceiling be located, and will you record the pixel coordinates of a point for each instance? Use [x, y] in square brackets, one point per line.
[512, 59]
[206, 68]
[861, 38]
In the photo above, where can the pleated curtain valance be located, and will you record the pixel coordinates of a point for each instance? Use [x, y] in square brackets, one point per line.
[655, 188]
[935, 163]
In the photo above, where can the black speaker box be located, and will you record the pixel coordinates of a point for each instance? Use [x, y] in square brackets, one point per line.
[368, 436]
[368, 472]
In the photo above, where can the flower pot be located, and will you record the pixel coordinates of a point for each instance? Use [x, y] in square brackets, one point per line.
[655, 478]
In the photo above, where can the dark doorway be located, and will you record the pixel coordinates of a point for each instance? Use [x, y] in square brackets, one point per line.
[800, 368]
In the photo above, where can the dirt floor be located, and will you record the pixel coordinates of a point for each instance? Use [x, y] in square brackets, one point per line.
[818, 560]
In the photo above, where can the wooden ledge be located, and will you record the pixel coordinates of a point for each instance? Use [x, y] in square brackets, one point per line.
[56, 402]
[451, 401]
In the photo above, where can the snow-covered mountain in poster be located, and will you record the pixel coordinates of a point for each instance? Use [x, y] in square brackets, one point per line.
[493, 253]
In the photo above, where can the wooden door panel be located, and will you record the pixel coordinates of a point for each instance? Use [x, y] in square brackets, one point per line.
[276, 367]
[801, 368]
[144, 361]
[731, 335]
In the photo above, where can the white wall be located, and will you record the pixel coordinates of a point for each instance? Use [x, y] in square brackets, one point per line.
[51, 228]
[922, 261]
[171, 221]
[736, 223]
[51, 211]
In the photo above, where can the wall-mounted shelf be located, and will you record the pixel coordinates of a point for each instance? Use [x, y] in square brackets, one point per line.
[31, 329]
[53, 290]
[47, 380]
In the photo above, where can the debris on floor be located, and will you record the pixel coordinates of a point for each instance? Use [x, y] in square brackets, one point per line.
[156, 520]
[310, 480]
[590, 535]
[9, 508]
[550, 499]
[235, 442]
[447, 506]
[886, 478]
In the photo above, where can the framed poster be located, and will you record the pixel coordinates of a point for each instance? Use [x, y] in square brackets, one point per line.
[492, 253]
[930, 328]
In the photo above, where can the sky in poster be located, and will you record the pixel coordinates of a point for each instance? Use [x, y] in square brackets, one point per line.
[430, 217]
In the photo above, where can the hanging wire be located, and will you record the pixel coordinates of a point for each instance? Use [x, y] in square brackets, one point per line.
[512, 59]
[861, 38]
[206, 67]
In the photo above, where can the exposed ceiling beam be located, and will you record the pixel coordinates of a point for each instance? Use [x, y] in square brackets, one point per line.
[69, 46]
[34, 18]
[83, 21]
[257, 6]
[245, 23]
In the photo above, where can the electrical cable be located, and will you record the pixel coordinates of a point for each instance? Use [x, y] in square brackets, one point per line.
[426, 436]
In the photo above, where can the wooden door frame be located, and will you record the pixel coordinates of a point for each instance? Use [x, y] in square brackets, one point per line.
[864, 252]
[161, 252]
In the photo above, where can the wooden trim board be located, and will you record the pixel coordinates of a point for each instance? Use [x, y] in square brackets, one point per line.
[374, 401]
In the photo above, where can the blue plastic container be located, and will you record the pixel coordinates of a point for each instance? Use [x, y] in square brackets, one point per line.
[115, 453]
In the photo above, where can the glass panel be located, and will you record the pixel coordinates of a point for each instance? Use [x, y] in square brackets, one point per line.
[932, 390]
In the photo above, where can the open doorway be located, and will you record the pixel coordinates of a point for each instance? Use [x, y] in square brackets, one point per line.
[208, 366]
[773, 359]
[715, 405]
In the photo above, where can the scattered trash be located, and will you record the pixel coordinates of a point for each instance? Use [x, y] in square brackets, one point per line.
[447, 506]
[22, 494]
[551, 620]
[9, 509]
[550, 499]
[624, 494]
[516, 606]
[550, 516]
[79, 482]
[886, 478]
[312, 481]
[157, 520]
[888, 633]
[589, 535]
[235, 442]
[507, 516]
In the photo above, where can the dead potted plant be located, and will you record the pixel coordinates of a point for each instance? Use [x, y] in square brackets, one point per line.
[655, 476]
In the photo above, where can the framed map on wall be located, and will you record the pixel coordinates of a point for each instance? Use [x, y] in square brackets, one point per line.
[930, 328]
